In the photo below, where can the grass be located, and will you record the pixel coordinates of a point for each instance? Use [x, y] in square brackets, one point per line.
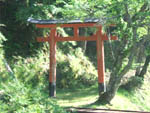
[76, 98]
[85, 97]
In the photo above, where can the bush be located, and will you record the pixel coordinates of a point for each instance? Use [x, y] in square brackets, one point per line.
[27, 91]
[24, 99]
[133, 83]
[75, 69]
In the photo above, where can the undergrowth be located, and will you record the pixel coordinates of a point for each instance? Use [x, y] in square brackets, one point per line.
[20, 98]
[75, 69]
[26, 90]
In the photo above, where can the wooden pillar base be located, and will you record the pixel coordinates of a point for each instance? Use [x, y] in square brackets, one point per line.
[52, 89]
[101, 88]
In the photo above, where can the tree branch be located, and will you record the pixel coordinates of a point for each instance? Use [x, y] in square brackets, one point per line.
[143, 8]
[127, 16]
[143, 24]
[133, 54]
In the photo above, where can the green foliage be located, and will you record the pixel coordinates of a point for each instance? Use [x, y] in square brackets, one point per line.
[74, 68]
[28, 92]
[18, 98]
[38, 11]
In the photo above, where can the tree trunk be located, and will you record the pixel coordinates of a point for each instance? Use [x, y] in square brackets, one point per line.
[83, 44]
[116, 76]
[144, 69]
[138, 69]
[139, 60]
[113, 86]
[114, 82]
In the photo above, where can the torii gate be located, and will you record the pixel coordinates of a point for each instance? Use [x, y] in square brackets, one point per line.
[99, 37]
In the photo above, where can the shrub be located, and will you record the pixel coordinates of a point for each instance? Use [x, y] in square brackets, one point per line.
[24, 99]
[133, 83]
[75, 70]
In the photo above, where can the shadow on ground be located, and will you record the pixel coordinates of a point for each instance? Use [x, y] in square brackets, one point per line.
[85, 97]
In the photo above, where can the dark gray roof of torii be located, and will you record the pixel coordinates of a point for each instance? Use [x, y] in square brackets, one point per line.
[35, 21]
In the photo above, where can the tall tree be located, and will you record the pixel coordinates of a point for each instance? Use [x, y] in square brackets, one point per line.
[133, 15]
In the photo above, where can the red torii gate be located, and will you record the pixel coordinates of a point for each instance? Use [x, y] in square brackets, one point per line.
[99, 37]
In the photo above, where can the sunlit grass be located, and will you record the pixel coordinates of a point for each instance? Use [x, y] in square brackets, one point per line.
[76, 98]
[124, 100]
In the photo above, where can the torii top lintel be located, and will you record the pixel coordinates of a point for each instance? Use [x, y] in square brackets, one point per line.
[77, 21]
[76, 24]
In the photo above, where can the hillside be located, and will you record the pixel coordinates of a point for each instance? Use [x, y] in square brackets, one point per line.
[25, 63]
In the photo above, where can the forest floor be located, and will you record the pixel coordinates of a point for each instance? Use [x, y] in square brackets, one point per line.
[124, 100]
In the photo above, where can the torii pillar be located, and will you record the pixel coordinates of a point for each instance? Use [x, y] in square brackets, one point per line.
[99, 37]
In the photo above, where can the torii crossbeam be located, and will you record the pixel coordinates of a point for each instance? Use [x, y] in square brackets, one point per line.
[99, 37]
